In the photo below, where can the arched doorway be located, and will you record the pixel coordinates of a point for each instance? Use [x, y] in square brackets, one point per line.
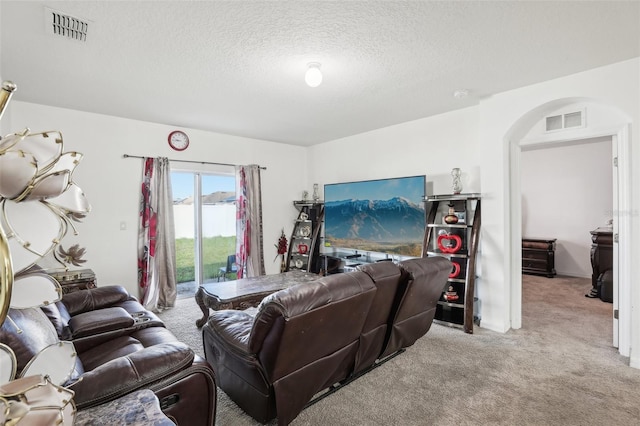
[603, 121]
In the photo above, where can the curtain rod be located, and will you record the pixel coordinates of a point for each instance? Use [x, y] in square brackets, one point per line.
[190, 161]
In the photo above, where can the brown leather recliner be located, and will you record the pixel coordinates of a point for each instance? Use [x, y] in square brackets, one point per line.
[121, 348]
[308, 337]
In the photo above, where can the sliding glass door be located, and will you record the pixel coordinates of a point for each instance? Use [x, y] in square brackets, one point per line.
[204, 216]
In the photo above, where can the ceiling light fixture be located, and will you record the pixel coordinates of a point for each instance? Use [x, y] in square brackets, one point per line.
[313, 76]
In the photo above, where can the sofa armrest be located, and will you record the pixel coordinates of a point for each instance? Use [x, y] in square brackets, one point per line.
[78, 302]
[232, 327]
[125, 374]
[99, 321]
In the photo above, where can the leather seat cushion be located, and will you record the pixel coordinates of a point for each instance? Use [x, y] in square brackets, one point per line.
[108, 351]
[125, 345]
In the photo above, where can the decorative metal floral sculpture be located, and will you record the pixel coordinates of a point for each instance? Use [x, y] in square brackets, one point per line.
[72, 256]
[38, 204]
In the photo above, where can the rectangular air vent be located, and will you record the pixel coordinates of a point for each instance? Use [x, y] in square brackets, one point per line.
[64, 25]
[564, 121]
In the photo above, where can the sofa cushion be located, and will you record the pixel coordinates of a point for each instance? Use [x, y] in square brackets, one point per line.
[99, 321]
[112, 349]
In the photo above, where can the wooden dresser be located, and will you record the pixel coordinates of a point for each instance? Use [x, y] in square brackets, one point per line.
[538, 256]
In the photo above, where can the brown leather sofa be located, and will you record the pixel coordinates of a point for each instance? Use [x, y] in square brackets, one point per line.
[306, 338]
[121, 348]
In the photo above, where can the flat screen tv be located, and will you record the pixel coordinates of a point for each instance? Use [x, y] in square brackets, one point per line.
[380, 216]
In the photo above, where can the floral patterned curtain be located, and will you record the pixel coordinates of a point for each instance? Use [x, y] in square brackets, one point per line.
[249, 241]
[156, 237]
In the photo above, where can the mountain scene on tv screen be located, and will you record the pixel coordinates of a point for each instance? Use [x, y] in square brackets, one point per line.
[388, 226]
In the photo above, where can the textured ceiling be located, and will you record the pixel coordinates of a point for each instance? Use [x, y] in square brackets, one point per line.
[238, 67]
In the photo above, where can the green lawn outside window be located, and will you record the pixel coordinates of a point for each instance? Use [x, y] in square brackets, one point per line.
[214, 256]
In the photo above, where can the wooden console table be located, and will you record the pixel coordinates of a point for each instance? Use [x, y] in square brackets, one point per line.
[247, 292]
[538, 256]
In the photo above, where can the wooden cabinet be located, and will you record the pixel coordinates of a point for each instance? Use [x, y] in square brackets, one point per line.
[453, 231]
[304, 245]
[538, 256]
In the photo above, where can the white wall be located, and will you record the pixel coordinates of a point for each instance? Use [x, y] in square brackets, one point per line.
[431, 146]
[567, 192]
[112, 183]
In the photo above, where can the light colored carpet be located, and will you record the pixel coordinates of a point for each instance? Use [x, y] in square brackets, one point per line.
[560, 368]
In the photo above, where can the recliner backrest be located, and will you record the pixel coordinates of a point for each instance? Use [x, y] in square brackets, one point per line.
[83, 301]
[426, 279]
[297, 325]
[390, 284]
[306, 337]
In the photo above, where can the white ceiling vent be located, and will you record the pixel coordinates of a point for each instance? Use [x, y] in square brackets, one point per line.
[564, 121]
[64, 25]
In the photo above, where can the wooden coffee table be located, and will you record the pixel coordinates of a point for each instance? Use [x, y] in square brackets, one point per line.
[246, 292]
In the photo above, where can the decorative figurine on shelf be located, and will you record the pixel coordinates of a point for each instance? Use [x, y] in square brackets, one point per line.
[282, 250]
[457, 184]
[316, 194]
[450, 295]
[451, 218]
[305, 195]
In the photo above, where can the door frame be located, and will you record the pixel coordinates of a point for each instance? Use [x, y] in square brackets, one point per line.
[621, 136]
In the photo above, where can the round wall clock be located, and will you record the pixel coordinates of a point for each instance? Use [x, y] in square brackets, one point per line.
[178, 140]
